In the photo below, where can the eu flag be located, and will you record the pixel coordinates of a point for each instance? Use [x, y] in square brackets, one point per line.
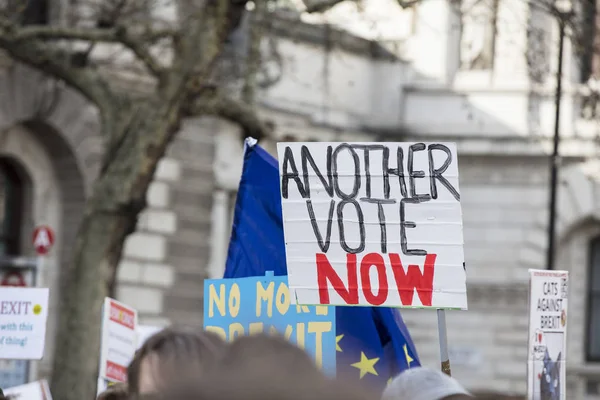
[373, 343]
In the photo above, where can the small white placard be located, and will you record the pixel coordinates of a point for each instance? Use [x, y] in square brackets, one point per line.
[31, 391]
[119, 340]
[145, 331]
[23, 316]
[548, 297]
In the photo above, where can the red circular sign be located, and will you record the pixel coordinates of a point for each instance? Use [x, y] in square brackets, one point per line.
[13, 278]
[43, 239]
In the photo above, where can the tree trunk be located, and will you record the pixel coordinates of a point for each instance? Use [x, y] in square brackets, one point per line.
[111, 214]
[97, 253]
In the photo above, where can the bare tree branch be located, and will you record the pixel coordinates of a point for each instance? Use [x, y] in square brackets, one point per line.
[320, 6]
[57, 62]
[137, 43]
[140, 47]
[232, 110]
[57, 32]
[408, 3]
[253, 58]
[53, 32]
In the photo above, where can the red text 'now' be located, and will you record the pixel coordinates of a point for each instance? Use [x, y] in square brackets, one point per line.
[403, 281]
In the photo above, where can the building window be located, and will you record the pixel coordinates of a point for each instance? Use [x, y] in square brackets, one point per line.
[11, 198]
[478, 35]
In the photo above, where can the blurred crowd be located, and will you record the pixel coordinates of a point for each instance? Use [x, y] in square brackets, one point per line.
[179, 365]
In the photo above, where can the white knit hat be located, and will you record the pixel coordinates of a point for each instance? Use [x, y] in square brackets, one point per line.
[421, 383]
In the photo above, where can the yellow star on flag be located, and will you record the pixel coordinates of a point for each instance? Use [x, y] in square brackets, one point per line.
[366, 365]
[390, 380]
[409, 359]
[337, 342]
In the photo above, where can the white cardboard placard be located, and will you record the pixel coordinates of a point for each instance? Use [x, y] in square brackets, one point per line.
[31, 391]
[376, 224]
[119, 340]
[548, 298]
[23, 317]
[145, 331]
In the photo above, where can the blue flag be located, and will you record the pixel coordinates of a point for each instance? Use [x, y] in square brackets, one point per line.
[373, 343]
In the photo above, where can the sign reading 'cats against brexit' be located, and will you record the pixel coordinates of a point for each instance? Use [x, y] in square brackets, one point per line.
[548, 292]
[373, 224]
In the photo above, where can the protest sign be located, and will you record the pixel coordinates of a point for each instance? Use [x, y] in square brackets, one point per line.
[16, 372]
[373, 224]
[145, 331]
[119, 340]
[548, 296]
[23, 316]
[31, 391]
[236, 307]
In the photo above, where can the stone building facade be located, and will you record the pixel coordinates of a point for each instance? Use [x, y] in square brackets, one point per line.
[334, 86]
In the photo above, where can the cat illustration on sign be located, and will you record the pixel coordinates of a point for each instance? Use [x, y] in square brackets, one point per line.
[550, 378]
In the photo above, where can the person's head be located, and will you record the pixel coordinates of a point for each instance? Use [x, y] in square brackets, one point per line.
[246, 352]
[423, 383]
[265, 368]
[172, 356]
[117, 391]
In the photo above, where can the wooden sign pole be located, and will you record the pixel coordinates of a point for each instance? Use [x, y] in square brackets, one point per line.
[441, 314]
